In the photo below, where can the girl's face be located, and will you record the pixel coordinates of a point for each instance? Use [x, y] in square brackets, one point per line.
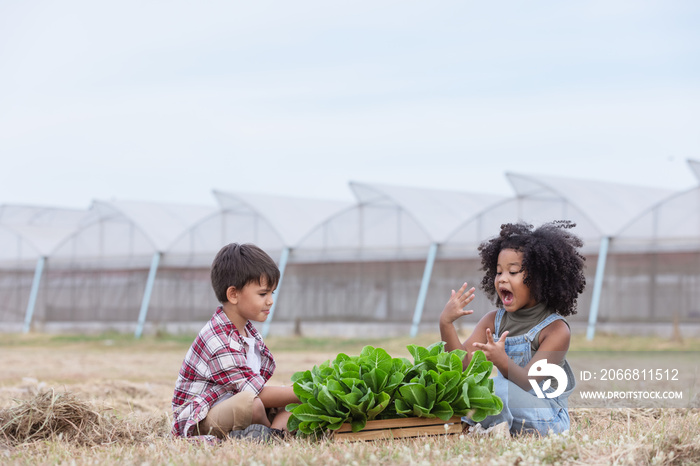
[510, 281]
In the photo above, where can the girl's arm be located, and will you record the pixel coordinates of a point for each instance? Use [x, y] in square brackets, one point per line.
[454, 309]
[554, 343]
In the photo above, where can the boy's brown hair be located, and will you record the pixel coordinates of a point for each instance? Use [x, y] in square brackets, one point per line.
[239, 264]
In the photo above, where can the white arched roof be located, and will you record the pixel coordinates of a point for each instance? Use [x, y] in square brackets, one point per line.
[291, 218]
[393, 221]
[271, 222]
[672, 224]
[607, 207]
[695, 167]
[162, 223]
[438, 212]
[30, 232]
[41, 216]
[16, 247]
[599, 209]
[128, 229]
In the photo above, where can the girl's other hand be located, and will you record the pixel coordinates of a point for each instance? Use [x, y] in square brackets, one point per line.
[495, 351]
[454, 309]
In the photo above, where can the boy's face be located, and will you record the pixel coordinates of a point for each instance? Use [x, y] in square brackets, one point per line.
[510, 281]
[253, 301]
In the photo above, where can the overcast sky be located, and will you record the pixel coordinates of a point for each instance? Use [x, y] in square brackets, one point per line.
[167, 100]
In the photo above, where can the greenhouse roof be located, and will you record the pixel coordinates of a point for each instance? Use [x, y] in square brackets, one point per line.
[38, 228]
[15, 246]
[695, 167]
[438, 212]
[672, 223]
[43, 216]
[607, 206]
[291, 218]
[396, 222]
[161, 223]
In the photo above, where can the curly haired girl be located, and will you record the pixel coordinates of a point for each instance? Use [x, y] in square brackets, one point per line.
[535, 276]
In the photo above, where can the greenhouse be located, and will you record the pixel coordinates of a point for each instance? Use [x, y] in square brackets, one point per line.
[369, 267]
[383, 264]
[654, 265]
[599, 210]
[28, 235]
[182, 296]
[102, 274]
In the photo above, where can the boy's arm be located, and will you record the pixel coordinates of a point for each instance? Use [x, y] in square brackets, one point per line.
[277, 397]
[274, 396]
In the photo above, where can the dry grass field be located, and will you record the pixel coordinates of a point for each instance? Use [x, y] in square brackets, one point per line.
[106, 400]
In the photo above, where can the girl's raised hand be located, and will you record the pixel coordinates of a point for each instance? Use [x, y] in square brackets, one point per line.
[454, 309]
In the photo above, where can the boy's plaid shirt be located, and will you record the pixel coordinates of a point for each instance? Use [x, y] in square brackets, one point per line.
[214, 365]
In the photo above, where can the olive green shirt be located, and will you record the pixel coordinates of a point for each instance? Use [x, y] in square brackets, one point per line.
[521, 321]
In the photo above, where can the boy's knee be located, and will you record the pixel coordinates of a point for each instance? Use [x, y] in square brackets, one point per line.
[259, 412]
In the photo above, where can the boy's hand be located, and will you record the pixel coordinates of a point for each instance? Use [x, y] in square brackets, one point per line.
[454, 309]
[495, 351]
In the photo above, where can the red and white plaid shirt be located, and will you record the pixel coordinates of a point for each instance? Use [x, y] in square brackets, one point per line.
[214, 366]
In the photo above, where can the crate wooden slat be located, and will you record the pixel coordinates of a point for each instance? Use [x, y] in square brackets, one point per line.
[399, 428]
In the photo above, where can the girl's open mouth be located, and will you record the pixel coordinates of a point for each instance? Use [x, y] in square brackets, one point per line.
[506, 297]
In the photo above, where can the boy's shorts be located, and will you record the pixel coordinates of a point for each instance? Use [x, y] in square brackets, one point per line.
[234, 413]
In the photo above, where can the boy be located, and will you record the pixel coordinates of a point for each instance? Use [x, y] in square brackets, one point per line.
[221, 389]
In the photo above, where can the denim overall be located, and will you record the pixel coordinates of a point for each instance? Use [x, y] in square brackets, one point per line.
[523, 410]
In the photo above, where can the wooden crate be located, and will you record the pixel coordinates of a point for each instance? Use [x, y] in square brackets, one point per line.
[399, 428]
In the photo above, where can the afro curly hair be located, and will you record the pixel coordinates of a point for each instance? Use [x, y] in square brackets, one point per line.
[550, 257]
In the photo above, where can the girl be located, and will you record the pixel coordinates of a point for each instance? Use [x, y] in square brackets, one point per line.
[535, 277]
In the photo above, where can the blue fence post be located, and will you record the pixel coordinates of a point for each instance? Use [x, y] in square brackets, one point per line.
[282, 266]
[147, 294]
[427, 273]
[597, 287]
[38, 271]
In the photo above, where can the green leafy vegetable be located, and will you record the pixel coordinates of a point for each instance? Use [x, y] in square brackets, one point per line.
[374, 385]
